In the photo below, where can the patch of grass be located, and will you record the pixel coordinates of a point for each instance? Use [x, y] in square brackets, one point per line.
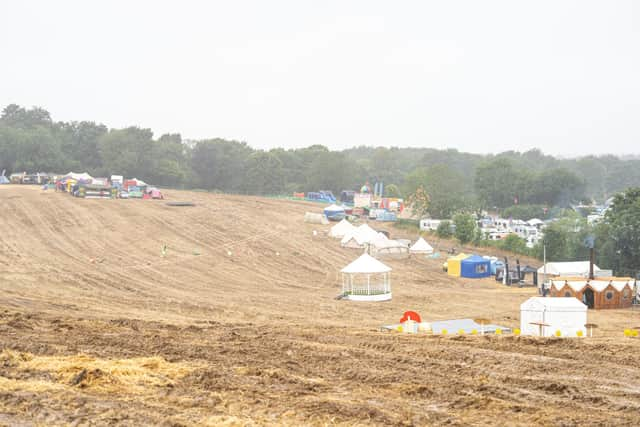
[407, 224]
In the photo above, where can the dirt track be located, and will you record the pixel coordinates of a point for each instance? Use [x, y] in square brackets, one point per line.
[97, 326]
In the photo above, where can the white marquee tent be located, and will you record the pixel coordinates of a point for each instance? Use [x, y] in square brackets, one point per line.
[567, 269]
[359, 237]
[567, 315]
[421, 247]
[381, 246]
[79, 176]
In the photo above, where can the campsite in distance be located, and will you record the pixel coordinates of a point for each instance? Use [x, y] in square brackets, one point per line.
[442, 253]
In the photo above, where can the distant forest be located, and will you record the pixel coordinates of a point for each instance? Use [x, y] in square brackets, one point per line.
[30, 140]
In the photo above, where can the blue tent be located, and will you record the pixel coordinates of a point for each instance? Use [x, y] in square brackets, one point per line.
[4, 180]
[495, 265]
[475, 267]
[334, 213]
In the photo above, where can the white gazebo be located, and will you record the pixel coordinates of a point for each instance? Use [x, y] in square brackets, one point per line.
[421, 247]
[366, 279]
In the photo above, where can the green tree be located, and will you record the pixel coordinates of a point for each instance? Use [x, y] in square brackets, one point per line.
[265, 174]
[219, 164]
[330, 171]
[392, 190]
[128, 152]
[515, 244]
[443, 185]
[495, 183]
[444, 230]
[465, 227]
[618, 240]
[419, 202]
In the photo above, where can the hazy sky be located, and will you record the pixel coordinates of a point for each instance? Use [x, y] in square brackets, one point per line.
[477, 76]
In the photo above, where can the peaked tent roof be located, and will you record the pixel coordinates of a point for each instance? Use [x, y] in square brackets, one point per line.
[341, 228]
[79, 176]
[597, 285]
[366, 233]
[421, 246]
[380, 239]
[553, 304]
[363, 234]
[139, 182]
[366, 264]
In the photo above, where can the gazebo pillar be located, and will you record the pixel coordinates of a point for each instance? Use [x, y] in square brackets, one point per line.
[368, 284]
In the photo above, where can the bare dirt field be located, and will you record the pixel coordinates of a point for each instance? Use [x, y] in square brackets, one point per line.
[237, 325]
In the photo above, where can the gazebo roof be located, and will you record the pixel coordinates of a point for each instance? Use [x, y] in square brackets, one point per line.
[366, 264]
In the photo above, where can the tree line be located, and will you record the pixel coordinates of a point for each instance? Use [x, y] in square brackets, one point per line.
[447, 183]
[30, 140]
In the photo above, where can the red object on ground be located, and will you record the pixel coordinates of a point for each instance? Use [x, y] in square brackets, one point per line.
[410, 315]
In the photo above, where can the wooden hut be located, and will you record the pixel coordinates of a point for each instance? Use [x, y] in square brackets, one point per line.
[598, 293]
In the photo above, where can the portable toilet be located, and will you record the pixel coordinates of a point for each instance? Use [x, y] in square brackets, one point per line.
[454, 264]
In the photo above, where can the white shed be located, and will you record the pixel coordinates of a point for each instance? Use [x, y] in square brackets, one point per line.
[551, 314]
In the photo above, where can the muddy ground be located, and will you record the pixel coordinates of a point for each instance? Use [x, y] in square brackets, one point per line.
[237, 324]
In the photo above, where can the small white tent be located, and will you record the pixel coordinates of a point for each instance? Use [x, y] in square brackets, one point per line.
[339, 230]
[421, 247]
[366, 279]
[567, 269]
[551, 314]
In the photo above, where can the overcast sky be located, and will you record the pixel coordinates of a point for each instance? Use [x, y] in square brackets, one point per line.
[563, 76]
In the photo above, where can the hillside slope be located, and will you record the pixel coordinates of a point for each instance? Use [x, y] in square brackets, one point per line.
[237, 324]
